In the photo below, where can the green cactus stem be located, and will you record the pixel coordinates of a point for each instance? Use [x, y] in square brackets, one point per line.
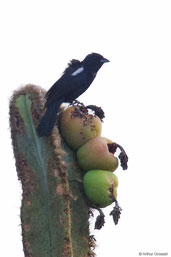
[54, 214]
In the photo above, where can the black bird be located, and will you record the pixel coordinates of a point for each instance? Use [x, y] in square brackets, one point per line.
[75, 80]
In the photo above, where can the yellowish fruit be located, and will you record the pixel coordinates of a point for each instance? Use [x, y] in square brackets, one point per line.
[78, 129]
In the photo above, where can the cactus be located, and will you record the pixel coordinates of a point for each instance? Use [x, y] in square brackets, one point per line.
[54, 214]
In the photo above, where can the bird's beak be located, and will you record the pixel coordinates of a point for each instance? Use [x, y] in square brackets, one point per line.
[103, 60]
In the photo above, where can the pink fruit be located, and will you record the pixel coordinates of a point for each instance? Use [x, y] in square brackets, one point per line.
[96, 154]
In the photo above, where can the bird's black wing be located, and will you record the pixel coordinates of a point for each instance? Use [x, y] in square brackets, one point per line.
[66, 85]
[73, 65]
[56, 87]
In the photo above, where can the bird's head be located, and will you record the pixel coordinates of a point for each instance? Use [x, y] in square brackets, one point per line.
[94, 61]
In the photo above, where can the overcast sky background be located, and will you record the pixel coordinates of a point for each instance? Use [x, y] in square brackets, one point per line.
[38, 38]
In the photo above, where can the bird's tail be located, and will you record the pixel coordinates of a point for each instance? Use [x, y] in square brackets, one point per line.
[48, 120]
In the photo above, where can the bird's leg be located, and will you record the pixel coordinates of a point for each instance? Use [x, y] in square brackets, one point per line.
[76, 112]
[79, 109]
[76, 102]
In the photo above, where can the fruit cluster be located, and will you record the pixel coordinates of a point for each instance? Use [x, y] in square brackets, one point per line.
[95, 155]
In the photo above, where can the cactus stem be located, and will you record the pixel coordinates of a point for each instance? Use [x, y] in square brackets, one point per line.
[51, 220]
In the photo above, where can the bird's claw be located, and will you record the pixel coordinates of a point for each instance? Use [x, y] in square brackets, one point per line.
[76, 102]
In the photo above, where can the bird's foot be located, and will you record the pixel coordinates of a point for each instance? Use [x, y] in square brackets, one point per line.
[78, 103]
[79, 110]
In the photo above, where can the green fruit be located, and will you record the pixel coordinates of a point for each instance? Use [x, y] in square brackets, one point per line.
[77, 129]
[95, 155]
[100, 187]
